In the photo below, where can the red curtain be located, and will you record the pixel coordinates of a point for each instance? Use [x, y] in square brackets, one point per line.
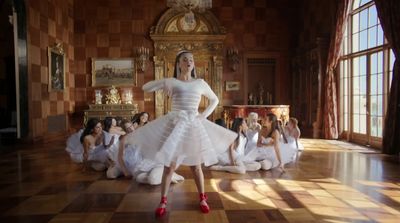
[330, 119]
[389, 16]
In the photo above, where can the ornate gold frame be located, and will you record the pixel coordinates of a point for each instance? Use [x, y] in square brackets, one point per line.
[111, 61]
[56, 76]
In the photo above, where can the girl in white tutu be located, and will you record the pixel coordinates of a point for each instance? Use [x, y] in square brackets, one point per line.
[293, 133]
[252, 132]
[232, 160]
[272, 151]
[140, 119]
[129, 162]
[183, 136]
[87, 146]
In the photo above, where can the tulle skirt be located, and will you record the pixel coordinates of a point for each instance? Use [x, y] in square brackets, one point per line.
[75, 150]
[287, 150]
[182, 137]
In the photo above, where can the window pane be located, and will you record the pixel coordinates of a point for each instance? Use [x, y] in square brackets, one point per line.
[374, 105]
[356, 123]
[380, 35]
[372, 32]
[346, 89]
[363, 85]
[363, 2]
[356, 66]
[364, 40]
[373, 18]
[374, 83]
[363, 19]
[380, 126]
[380, 62]
[356, 104]
[374, 63]
[363, 65]
[374, 126]
[355, 43]
[380, 105]
[363, 124]
[345, 68]
[363, 104]
[356, 4]
[356, 86]
[356, 23]
[380, 83]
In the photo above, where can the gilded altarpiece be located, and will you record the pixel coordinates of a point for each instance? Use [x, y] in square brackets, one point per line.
[204, 38]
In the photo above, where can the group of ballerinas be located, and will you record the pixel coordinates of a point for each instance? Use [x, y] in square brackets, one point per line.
[101, 147]
[184, 136]
[257, 146]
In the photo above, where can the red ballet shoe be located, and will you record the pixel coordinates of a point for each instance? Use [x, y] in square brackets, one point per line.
[162, 211]
[204, 207]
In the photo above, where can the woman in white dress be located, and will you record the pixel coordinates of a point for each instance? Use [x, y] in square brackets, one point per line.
[183, 136]
[87, 146]
[232, 160]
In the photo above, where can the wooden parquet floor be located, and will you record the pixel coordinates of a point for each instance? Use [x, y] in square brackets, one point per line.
[331, 181]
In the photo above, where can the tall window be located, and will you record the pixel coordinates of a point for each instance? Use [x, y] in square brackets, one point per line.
[365, 75]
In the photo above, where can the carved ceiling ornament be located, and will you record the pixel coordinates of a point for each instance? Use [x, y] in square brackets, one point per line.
[204, 37]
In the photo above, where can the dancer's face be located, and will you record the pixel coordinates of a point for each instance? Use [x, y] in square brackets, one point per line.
[97, 129]
[129, 127]
[144, 118]
[186, 63]
[113, 122]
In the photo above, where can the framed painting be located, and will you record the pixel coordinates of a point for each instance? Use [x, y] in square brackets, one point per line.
[56, 68]
[232, 85]
[113, 72]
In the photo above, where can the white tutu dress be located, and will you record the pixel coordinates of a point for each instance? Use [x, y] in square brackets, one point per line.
[75, 150]
[238, 154]
[133, 160]
[288, 152]
[252, 137]
[183, 136]
[296, 142]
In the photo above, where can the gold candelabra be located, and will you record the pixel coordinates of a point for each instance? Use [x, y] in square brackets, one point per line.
[142, 55]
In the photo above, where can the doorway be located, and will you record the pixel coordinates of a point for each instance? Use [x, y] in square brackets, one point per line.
[8, 103]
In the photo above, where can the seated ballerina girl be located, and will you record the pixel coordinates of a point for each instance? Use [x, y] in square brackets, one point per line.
[232, 160]
[272, 148]
[129, 162]
[292, 131]
[87, 146]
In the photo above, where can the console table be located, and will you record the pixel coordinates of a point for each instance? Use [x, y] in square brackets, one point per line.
[236, 111]
[104, 110]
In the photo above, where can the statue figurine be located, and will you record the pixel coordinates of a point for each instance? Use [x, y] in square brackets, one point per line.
[250, 99]
[260, 93]
[112, 97]
[98, 97]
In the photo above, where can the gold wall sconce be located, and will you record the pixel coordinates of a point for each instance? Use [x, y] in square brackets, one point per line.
[233, 58]
[142, 55]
